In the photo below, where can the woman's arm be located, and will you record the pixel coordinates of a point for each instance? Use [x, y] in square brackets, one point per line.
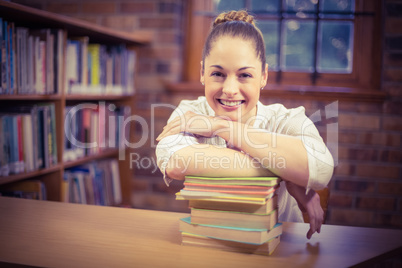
[209, 160]
[213, 161]
[283, 155]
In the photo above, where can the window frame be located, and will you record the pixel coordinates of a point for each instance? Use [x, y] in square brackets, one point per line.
[365, 78]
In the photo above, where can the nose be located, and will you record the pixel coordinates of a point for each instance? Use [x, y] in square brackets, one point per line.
[230, 87]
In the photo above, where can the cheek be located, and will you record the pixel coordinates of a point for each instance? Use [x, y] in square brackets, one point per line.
[211, 91]
[210, 95]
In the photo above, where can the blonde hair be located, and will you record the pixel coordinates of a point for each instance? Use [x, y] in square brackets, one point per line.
[233, 15]
[236, 24]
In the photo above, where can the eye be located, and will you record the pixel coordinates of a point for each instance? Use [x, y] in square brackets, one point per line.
[245, 75]
[217, 74]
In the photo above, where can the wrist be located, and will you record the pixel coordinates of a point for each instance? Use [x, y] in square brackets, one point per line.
[221, 127]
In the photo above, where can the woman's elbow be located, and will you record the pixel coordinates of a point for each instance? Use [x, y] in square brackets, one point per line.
[175, 172]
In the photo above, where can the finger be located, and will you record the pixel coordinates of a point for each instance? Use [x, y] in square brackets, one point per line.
[320, 218]
[309, 234]
[312, 229]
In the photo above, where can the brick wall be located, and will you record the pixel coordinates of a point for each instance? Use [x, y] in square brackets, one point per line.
[366, 189]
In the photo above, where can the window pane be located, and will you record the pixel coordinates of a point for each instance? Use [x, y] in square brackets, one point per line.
[300, 5]
[227, 5]
[335, 47]
[297, 53]
[337, 5]
[270, 31]
[266, 6]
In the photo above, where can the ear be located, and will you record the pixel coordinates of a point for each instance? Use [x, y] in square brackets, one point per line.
[264, 78]
[202, 79]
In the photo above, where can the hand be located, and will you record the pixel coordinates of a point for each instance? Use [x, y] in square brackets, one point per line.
[309, 203]
[191, 122]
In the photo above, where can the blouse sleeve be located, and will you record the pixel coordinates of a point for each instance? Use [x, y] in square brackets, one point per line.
[320, 161]
[168, 146]
[171, 144]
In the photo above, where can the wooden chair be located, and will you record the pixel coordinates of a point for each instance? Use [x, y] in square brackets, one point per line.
[324, 198]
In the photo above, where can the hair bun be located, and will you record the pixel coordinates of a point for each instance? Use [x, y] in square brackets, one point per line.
[233, 15]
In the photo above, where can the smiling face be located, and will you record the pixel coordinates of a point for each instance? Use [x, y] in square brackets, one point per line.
[233, 77]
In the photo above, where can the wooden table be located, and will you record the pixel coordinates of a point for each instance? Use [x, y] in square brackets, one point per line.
[43, 233]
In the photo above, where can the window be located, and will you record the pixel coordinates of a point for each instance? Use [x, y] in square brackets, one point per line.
[317, 43]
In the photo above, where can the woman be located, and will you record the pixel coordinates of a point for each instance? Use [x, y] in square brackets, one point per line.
[230, 133]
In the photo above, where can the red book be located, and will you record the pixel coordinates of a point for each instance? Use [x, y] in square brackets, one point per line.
[21, 166]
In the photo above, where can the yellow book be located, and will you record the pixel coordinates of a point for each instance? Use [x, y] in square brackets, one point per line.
[245, 200]
[270, 204]
[94, 63]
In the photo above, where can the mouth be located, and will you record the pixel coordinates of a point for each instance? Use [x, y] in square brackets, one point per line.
[231, 103]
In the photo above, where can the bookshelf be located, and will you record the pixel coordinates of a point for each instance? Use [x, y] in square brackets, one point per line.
[63, 30]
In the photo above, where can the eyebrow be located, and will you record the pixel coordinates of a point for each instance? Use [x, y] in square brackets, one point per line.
[240, 69]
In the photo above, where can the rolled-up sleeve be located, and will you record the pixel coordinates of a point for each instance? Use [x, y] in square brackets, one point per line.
[168, 146]
[320, 160]
[171, 144]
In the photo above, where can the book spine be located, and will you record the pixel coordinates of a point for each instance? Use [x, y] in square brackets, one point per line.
[1, 145]
[31, 65]
[28, 142]
[1, 56]
[21, 162]
[53, 139]
[34, 116]
[4, 63]
[43, 68]
[14, 145]
[94, 64]
[5, 168]
[40, 135]
[11, 58]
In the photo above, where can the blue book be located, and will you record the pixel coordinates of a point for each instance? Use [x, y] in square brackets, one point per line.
[11, 57]
[4, 60]
[13, 161]
[5, 168]
[243, 235]
[40, 137]
[1, 55]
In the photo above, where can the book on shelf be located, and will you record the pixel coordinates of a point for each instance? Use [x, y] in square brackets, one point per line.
[231, 213]
[94, 128]
[34, 61]
[96, 183]
[29, 189]
[99, 69]
[29, 138]
[266, 248]
[238, 234]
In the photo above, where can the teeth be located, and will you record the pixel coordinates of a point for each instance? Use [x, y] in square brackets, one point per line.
[230, 103]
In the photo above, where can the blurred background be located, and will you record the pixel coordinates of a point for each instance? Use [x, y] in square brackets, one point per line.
[340, 59]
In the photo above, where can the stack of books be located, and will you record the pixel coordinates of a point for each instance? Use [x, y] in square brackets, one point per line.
[235, 214]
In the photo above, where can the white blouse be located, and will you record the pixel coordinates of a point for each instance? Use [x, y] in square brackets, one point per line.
[273, 118]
